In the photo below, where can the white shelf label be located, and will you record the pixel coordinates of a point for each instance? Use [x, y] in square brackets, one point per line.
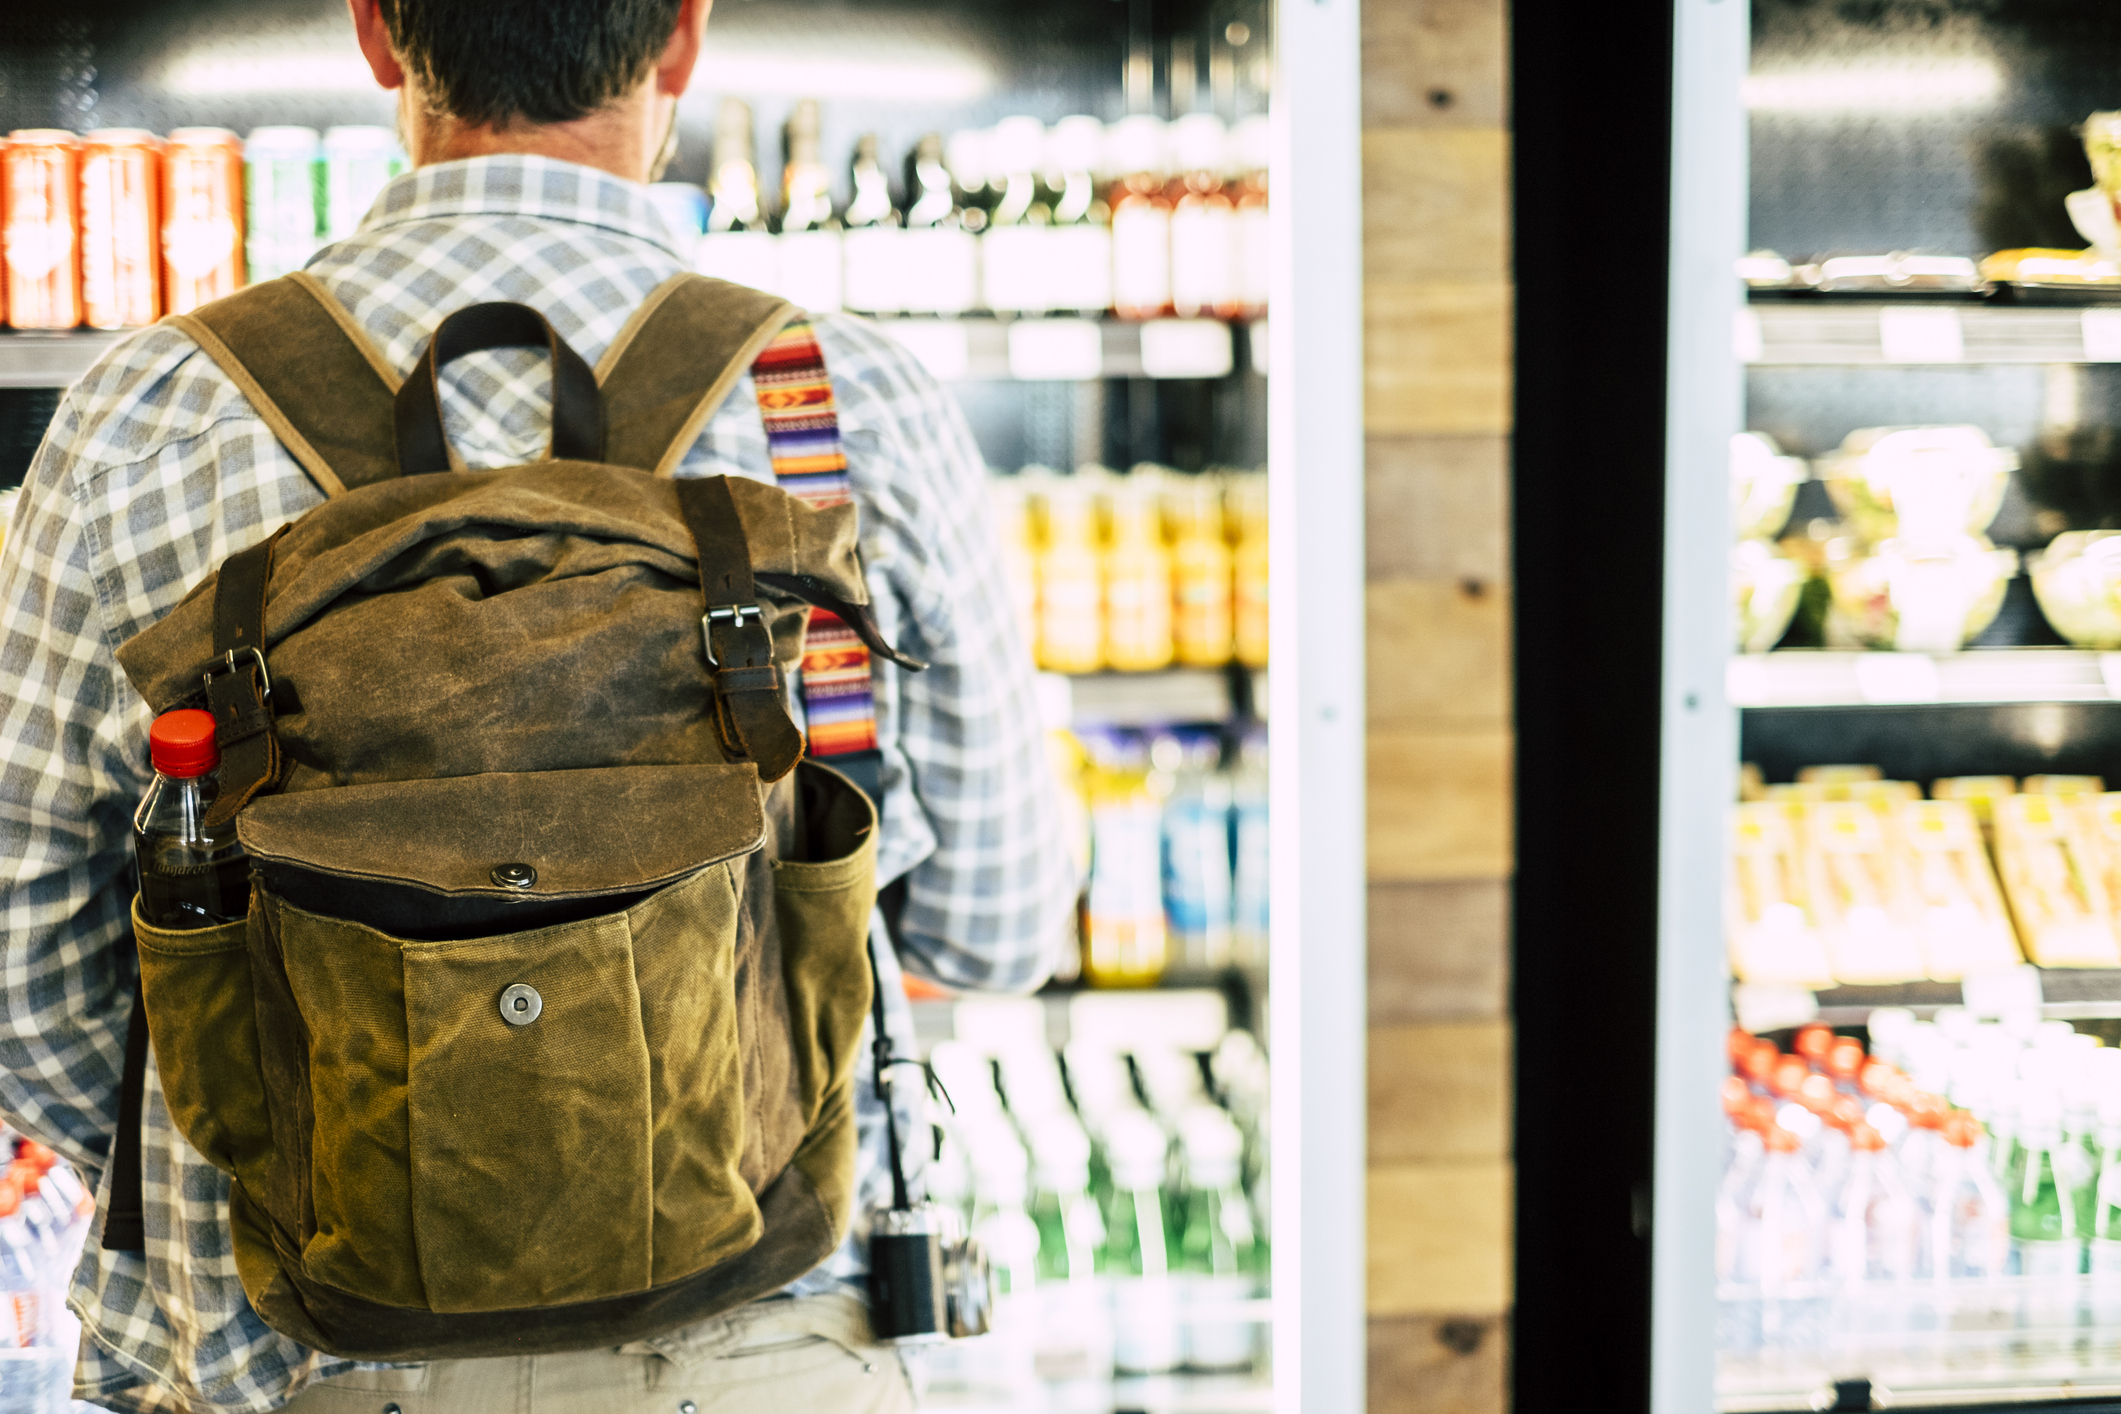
[1747, 344]
[942, 345]
[1998, 994]
[1763, 1006]
[2102, 335]
[1748, 682]
[2110, 673]
[1897, 677]
[1045, 350]
[1921, 336]
[1260, 345]
[1186, 348]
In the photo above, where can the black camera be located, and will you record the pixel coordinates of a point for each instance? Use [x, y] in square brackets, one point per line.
[927, 1282]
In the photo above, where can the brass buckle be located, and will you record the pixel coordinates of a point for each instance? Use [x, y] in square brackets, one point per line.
[731, 614]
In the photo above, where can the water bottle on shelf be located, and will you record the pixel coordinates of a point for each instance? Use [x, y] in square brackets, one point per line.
[1216, 1259]
[1136, 1258]
[190, 877]
[1783, 1219]
[1969, 1218]
[2050, 1190]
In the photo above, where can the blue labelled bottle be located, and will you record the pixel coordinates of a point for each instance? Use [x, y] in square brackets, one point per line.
[190, 876]
[1197, 866]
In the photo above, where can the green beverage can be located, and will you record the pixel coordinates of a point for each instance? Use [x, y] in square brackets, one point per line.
[280, 200]
[358, 163]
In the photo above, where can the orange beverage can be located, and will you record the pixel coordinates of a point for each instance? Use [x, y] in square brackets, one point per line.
[121, 235]
[202, 217]
[40, 174]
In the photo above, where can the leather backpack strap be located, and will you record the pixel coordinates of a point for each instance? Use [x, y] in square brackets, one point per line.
[750, 699]
[577, 408]
[239, 686]
[676, 361]
[310, 372]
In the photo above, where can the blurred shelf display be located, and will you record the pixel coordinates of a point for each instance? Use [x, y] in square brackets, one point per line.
[1910, 331]
[51, 360]
[1817, 678]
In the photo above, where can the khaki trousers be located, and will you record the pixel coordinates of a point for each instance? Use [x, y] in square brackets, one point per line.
[811, 1355]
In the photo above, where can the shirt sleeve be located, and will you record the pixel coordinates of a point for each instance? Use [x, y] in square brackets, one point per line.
[972, 816]
[66, 781]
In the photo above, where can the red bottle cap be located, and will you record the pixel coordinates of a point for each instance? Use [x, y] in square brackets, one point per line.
[182, 743]
[1864, 1136]
[1759, 1062]
[1789, 1077]
[1782, 1141]
[10, 1198]
[1813, 1042]
[1846, 1060]
[1817, 1094]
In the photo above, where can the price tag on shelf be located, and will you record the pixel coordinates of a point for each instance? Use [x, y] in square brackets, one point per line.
[1921, 336]
[1883, 678]
[1763, 1006]
[2102, 335]
[1747, 344]
[1047, 350]
[1186, 348]
[942, 345]
[2110, 673]
[1260, 346]
[1998, 994]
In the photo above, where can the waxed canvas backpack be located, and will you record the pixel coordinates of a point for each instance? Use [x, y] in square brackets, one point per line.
[540, 1033]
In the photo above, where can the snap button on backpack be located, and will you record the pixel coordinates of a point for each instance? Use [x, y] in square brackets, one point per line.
[520, 1005]
[514, 876]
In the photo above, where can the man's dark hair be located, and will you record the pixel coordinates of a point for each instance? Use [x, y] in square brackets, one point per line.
[538, 61]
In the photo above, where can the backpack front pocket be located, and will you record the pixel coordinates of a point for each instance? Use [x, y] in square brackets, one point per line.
[509, 1118]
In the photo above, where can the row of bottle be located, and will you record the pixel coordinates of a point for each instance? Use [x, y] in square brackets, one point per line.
[1137, 572]
[1121, 1204]
[1171, 838]
[1847, 1168]
[120, 227]
[1142, 217]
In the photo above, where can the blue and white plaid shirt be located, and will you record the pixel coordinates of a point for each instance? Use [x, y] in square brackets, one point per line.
[156, 469]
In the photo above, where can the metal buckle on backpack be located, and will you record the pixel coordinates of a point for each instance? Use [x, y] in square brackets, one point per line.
[731, 614]
[257, 655]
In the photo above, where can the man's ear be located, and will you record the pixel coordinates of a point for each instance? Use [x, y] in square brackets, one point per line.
[673, 72]
[374, 37]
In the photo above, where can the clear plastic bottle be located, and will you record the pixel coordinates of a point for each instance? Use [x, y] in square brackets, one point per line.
[1074, 1338]
[190, 877]
[1785, 1220]
[1136, 1260]
[1218, 1261]
[1197, 867]
[1876, 1223]
[1969, 1217]
[22, 1283]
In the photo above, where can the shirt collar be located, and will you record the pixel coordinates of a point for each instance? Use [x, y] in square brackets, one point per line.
[514, 184]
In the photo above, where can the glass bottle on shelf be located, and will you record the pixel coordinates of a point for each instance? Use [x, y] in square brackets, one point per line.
[1201, 625]
[1137, 575]
[2050, 1191]
[1141, 218]
[1203, 220]
[1125, 940]
[877, 278]
[1015, 268]
[736, 246]
[1079, 245]
[1246, 511]
[966, 156]
[810, 273]
[940, 254]
[1250, 147]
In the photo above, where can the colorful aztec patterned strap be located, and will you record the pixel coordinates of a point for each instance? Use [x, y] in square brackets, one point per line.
[803, 439]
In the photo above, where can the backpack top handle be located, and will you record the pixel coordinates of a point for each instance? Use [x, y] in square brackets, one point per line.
[577, 404]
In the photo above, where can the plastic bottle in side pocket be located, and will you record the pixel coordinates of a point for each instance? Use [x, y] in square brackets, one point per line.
[190, 876]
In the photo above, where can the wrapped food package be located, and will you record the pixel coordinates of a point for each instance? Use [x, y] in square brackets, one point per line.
[1920, 482]
[2039, 266]
[1765, 589]
[1980, 794]
[1764, 485]
[1964, 927]
[1861, 894]
[2063, 785]
[2077, 580]
[1768, 925]
[1917, 596]
[2053, 874]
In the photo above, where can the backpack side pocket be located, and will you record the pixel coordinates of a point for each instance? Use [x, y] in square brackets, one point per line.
[202, 1020]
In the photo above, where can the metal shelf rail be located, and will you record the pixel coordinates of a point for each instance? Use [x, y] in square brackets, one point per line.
[1910, 332]
[1809, 678]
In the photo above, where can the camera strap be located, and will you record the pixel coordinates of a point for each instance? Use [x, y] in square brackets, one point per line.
[880, 1052]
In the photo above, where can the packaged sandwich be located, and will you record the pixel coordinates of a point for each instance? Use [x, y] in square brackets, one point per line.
[2063, 785]
[1833, 775]
[1769, 930]
[1979, 793]
[1965, 929]
[1860, 893]
[2053, 874]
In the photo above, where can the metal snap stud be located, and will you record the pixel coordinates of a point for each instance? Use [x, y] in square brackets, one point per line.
[514, 876]
[392, 1409]
[686, 1406]
[520, 1005]
[868, 1369]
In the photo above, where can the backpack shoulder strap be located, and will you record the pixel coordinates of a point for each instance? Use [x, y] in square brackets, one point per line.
[675, 362]
[311, 374]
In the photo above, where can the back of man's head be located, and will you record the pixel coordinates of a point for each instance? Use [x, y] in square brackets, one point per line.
[501, 62]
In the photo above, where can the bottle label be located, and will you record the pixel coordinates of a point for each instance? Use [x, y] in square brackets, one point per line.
[1080, 271]
[1254, 258]
[878, 273]
[1016, 268]
[1141, 258]
[1203, 258]
[942, 268]
[1144, 1325]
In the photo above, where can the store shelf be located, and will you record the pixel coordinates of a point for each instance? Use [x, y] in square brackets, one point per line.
[1186, 1017]
[1808, 678]
[1920, 332]
[38, 360]
[1152, 699]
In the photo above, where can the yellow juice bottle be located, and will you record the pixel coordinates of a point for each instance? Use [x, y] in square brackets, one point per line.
[1201, 623]
[1125, 942]
[1018, 539]
[1137, 576]
[1071, 573]
[1246, 510]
